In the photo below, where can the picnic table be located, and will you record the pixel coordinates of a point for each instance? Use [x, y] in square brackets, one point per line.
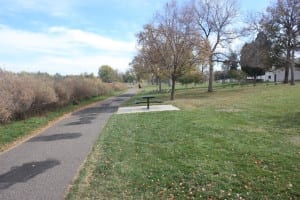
[148, 97]
[148, 100]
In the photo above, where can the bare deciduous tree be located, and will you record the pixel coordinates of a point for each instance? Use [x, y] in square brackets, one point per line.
[169, 44]
[214, 21]
[140, 67]
[281, 24]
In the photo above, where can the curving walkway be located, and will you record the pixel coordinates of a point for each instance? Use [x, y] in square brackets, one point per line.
[44, 166]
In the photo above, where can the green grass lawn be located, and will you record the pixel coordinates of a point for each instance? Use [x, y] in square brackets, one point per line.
[16, 130]
[235, 143]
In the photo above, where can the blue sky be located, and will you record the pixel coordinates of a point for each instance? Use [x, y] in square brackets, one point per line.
[76, 36]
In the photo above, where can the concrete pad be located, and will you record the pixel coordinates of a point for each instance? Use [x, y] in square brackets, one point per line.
[139, 109]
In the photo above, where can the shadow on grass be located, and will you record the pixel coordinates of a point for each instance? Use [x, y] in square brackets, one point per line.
[288, 121]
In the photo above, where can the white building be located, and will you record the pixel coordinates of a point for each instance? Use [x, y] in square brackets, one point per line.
[278, 75]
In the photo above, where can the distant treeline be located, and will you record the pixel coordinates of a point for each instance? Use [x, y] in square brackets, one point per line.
[26, 94]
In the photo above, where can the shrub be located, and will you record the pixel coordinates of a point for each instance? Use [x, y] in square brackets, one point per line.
[43, 93]
[63, 93]
[25, 94]
[118, 86]
[6, 99]
[5, 112]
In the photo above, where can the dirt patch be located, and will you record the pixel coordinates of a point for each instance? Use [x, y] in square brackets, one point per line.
[295, 140]
[230, 110]
[188, 104]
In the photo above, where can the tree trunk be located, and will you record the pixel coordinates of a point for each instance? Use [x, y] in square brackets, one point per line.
[286, 75]
[173, 88]
[287, 67]
[159, 85]
[293, 68]
[152, 80]
[210, 79]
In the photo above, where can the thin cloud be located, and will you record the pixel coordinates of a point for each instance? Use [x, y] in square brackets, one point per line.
[62, 49]
[60, 39]
[67, 65]
[92, 40]
[35, 35]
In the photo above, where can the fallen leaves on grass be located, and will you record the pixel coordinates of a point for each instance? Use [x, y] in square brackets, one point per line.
[295, 140]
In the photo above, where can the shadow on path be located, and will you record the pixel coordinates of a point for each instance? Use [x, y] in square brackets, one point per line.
[62, 136]
[87, 115]
[105, 108]
[25, 172]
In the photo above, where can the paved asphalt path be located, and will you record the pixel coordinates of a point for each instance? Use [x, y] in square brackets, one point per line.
[43, 167]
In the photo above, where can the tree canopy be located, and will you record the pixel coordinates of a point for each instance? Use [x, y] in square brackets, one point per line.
[182, 36]
[213, 20]
[256, 56]
[168, 46]
[106, 73]
[281, 24]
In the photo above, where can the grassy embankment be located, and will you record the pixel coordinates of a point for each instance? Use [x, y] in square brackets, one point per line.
[20, 129]
[235, 143]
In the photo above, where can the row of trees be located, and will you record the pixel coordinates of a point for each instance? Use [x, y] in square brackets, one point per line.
[109, 75]
[182, 37]
[256, 56]
[277, 41]
[196, 33]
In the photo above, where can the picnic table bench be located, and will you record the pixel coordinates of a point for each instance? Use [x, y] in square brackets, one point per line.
[147, 98]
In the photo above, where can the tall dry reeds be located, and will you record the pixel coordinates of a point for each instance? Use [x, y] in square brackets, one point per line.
[24, 94]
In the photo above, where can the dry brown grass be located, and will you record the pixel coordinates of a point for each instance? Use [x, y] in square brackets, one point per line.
[218, 100]
[295, 140]
[24, 94]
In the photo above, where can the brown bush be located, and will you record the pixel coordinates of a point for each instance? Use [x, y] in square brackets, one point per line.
[118, 86]
[63, 93]
[22, 95]
[6, 99]
[102, 88]
[7, 96]
[44, 93]
[5, 112]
